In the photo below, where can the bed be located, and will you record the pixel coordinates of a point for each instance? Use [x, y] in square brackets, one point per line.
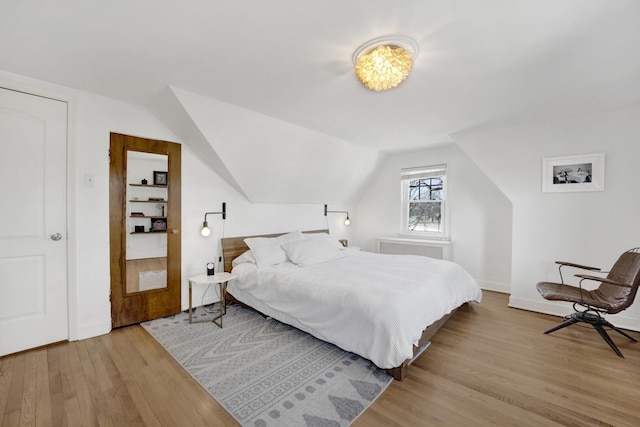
[384, 308]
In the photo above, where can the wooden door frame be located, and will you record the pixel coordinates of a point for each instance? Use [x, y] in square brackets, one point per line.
[137, 307]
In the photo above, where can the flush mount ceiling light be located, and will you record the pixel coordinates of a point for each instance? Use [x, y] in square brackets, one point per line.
[385, 62]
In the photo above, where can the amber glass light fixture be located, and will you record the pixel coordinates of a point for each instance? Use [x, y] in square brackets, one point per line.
[385, 62]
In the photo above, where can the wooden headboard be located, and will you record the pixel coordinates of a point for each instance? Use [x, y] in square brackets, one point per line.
[233, 247]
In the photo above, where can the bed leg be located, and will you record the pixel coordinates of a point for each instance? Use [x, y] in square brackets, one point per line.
[400, 372]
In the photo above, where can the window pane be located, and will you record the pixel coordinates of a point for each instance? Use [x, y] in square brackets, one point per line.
[425, 217]
[425, 189]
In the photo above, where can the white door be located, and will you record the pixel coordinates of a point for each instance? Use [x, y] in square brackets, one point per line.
[33, 217]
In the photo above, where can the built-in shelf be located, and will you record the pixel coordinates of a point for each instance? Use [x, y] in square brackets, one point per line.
[147, 216]
[148, 185]
[149, 201]
[148, 232]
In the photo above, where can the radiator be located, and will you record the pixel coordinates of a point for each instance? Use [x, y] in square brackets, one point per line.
[399, 246]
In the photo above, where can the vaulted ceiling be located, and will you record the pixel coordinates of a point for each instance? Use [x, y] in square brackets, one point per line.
[287, 64]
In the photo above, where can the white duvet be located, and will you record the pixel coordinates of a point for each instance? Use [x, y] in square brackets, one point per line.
[370, 304]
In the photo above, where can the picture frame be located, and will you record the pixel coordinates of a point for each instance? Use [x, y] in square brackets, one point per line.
[584, 172]
[160, 178]
[158, 224]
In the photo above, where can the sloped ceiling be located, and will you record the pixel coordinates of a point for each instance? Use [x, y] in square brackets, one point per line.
[264, 158]
[284, 67]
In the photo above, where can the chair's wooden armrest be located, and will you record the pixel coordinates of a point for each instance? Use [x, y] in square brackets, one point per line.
[602, 279]
[584, 267]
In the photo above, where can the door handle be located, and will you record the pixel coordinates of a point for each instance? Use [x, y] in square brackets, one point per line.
[55, 237]
[175, 231]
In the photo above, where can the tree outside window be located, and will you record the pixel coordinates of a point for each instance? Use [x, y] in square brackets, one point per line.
[424, 200]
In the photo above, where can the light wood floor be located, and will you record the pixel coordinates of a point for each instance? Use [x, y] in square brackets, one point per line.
[489, 365]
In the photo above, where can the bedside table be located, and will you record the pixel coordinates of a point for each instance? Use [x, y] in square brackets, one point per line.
[219, 279]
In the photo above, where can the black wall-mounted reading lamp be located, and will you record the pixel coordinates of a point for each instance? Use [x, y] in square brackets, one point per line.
[205, 225]
[346, 221]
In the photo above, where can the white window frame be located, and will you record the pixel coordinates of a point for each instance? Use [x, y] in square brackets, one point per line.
[409, 174]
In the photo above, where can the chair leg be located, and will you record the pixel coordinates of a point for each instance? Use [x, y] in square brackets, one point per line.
[564, 324]
[598, 324]
[613, 328]
[598, 327]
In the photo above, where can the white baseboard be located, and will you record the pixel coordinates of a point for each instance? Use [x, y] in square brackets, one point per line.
[94, 330]
[504, 288]
[564, 308]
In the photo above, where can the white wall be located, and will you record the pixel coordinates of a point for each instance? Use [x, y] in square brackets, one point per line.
[499, 240]
[95, 118]
[480, 220]
[204, 191]
[92, 119]
[592, 228]
[267, 159]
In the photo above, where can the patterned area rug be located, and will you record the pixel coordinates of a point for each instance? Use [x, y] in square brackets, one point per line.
[266, 373]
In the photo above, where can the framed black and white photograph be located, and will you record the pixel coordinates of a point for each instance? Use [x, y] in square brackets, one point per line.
[158, 224]
[583, 172]
[159, 178]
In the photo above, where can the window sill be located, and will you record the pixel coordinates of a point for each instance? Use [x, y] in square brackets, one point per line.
[422, 237]
[415, 239]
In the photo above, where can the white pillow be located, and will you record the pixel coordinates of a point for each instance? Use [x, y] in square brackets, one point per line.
[327, 237]
[294, 236]
[311, 251]
[266, 251]
[246, 257]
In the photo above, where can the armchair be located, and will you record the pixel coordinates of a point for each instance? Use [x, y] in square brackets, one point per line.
[615, 293]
